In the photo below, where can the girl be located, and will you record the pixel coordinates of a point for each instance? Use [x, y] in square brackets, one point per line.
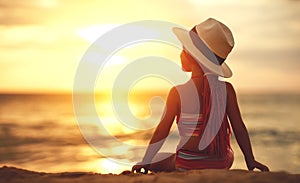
[202, 107]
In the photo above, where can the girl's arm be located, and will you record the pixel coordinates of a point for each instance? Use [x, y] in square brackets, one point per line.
[161, 132]
[240, 130]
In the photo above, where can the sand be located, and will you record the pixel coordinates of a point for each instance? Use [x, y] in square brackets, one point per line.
[16, 175]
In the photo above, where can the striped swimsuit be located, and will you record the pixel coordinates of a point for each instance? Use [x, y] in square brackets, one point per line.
[218, 155]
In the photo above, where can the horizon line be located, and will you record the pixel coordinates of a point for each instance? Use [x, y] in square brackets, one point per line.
[140, 91]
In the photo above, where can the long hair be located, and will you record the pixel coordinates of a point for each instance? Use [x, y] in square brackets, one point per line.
[215, 134]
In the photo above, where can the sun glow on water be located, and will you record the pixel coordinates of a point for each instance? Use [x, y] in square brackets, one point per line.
[109, 166]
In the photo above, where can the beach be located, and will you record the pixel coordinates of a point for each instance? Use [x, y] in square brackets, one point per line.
[15, 175]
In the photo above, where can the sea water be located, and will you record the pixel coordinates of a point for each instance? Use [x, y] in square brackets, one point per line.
[41, 133]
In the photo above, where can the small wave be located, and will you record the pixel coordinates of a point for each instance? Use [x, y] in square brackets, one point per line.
[274, 136]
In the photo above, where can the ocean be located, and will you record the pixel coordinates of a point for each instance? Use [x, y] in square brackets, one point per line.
[41, 133]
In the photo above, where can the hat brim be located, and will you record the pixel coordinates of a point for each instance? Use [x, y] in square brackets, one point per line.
[186, 41]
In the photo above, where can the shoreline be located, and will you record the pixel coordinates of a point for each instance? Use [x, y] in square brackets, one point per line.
[14, 175]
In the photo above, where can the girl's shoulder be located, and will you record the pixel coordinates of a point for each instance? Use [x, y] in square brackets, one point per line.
[229, 85]
[230, 90]
[185, 86]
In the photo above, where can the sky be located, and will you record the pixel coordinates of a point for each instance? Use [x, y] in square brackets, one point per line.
[43, 41]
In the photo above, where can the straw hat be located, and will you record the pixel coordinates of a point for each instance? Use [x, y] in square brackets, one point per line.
[209, 43]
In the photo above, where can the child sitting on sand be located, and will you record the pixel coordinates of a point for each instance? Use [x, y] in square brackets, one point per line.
[202, 107]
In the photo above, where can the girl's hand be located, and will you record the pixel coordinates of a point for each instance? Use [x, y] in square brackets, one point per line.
[139, 166]
[255, 164]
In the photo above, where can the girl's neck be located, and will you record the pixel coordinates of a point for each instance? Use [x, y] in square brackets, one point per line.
[194, 76]
[197, 73]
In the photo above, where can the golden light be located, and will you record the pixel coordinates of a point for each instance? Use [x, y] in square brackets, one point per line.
[48, 3]
[108, 166]
[92, 33]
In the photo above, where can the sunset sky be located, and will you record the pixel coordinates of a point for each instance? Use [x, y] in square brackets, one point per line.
[42, 41]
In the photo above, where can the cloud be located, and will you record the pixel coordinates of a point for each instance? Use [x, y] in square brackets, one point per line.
[25, 12]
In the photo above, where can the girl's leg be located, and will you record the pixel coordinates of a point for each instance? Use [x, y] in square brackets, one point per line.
[163, 162]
